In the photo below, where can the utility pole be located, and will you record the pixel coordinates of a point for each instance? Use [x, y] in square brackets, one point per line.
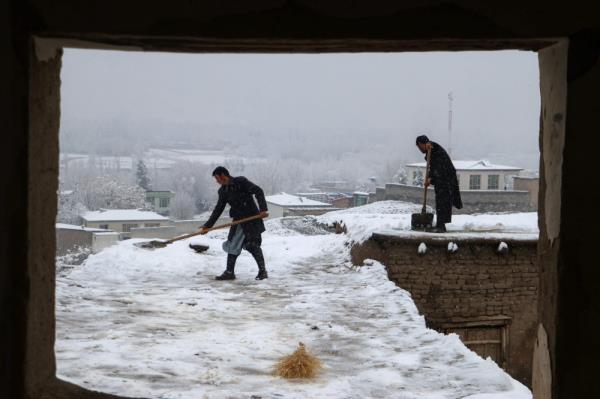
[450, 124]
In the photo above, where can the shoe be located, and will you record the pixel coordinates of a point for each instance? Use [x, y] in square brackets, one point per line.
[227, 275]
[436, 229]
[262, 274]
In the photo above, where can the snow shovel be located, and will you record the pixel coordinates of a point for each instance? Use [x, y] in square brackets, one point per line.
[161, 244]
[423, 220]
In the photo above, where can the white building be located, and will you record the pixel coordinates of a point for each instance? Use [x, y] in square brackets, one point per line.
[285, 204]
[123, 220]
[70, 237]
[472, 175]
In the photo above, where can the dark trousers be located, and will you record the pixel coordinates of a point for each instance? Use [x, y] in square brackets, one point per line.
[443, 203]
[252, 246]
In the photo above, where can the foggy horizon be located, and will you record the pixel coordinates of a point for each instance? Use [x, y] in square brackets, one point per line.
[236, 101]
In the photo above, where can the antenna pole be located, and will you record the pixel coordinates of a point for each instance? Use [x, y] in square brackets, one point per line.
[450, 99]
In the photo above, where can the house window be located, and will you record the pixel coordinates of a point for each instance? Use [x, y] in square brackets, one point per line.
[475, 182]
[493, 182]
[163, 202]
[152, 225]
[104, 226]
[128, 226]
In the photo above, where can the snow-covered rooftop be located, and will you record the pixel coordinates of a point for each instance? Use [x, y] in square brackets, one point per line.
[394, 217]
[289, 200]
[121, 215]
[317, 193]
[154, 325]
[471, 165]
[64, 226]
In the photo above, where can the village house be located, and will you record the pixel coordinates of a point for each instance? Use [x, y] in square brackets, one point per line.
[124, 165]
[160, 200]
[123, 220]
[286, 205]
[360, 198]
[337, 199]
[530, 184]
[472, 175]
[321, 196]
[334, 186]
[342, 201]
[70, 237]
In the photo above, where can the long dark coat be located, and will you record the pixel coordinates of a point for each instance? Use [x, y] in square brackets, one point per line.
[238, 194]
[443, 178]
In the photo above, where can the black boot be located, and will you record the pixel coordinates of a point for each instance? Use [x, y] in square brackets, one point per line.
[228, 274]
[262, 273]
[257, 254]
[439, 228]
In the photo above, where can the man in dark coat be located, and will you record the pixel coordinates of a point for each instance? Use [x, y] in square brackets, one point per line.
[238, 192]
[442, 176]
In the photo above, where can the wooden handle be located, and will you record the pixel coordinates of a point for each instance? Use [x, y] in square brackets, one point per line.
[221, 226]
[424, 210]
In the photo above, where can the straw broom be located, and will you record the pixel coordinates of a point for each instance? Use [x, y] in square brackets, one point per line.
[300, 364]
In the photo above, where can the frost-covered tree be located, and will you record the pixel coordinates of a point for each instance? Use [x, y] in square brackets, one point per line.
[69, 208]
[269, 176]
[182, 206]
[193, 178]
[401, 176]
[418, 178]
[109, 193]
[141, 175]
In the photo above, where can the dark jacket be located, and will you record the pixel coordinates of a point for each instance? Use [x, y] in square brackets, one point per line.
[238, 194]
[443, 174]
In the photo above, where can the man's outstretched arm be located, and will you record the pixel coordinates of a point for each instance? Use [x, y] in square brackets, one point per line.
[219, 208]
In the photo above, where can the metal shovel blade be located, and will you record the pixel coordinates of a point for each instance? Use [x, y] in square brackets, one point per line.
[151, 244]
[421, 221]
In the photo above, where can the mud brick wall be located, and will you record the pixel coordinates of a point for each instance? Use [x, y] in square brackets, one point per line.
[474, 284]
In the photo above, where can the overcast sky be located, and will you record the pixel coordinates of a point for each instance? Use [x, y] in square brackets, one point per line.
[496, 94]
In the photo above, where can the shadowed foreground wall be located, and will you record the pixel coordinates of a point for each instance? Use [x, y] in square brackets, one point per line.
[569, 299]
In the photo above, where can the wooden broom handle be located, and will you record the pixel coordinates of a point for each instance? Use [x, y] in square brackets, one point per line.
[425, 182]
[221, 226]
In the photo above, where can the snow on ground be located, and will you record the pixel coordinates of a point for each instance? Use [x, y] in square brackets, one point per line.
[156, 324]
[395, 216]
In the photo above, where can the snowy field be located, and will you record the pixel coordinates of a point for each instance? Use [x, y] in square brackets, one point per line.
[155, 323]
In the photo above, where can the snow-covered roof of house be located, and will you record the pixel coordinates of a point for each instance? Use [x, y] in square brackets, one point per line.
[289, 200]
[311, 193]
[64, 226]
[472, 165]
[121, 215]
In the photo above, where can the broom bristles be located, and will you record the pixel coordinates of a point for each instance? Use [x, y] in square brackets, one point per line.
[300, 364]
